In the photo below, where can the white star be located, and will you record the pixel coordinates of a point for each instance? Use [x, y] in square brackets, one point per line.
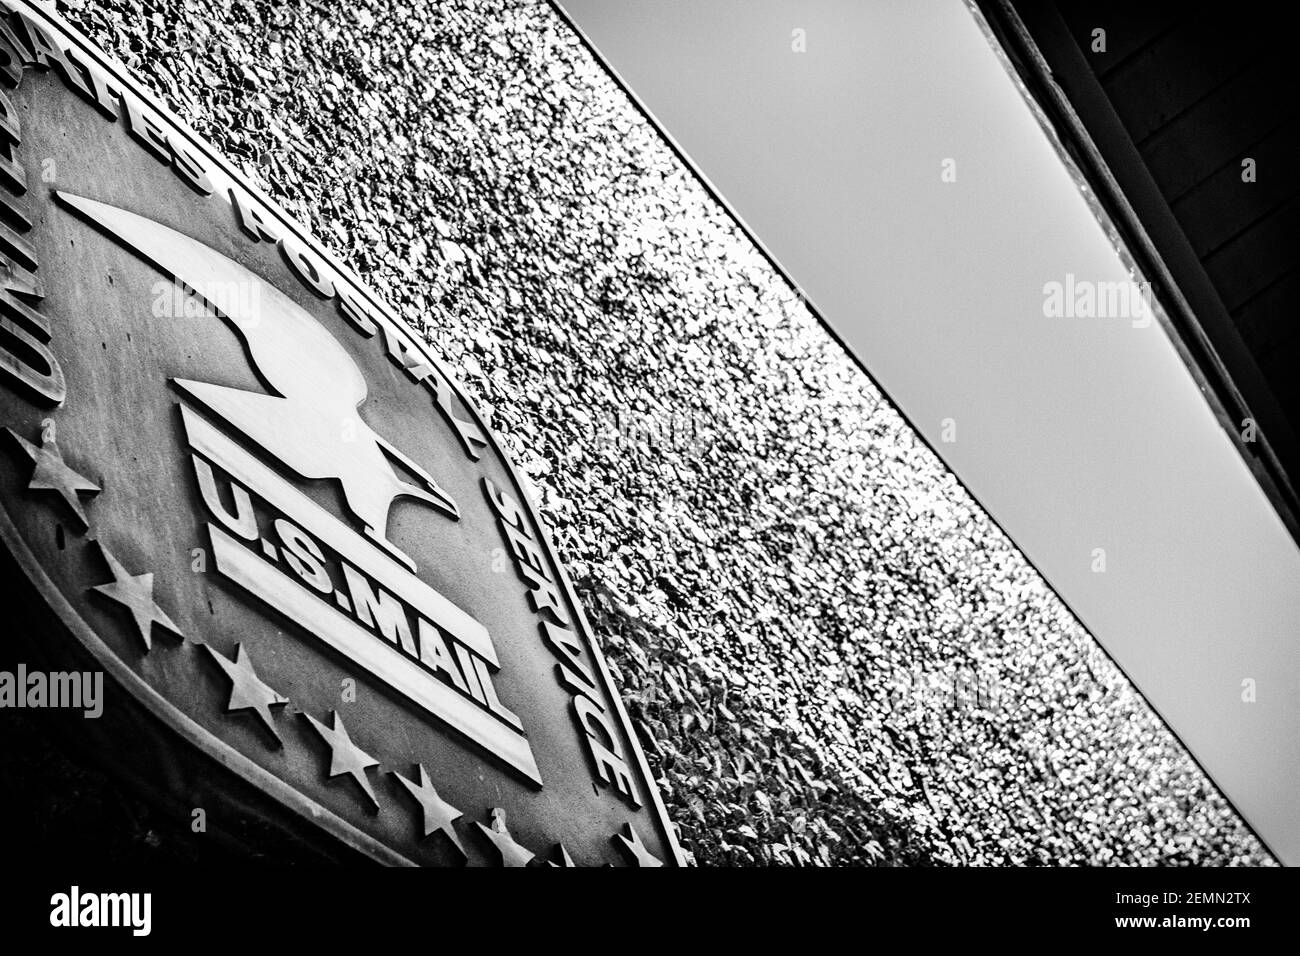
[636, 849]
[135, 593]
[247, 691]
[566, 861]
[512, 853]
[438, 813]
[345, 756]
[53, 474]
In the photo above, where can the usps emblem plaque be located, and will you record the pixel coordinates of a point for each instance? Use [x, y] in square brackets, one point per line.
[235, 483]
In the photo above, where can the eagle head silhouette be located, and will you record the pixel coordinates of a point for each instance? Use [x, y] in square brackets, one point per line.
[312, 422]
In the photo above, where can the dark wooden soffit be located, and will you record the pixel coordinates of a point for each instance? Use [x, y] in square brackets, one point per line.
[1160, 121]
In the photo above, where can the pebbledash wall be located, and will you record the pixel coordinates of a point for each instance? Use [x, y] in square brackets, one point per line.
[831, 653]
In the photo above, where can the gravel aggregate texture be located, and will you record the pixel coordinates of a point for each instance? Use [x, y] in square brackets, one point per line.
[831, 653]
